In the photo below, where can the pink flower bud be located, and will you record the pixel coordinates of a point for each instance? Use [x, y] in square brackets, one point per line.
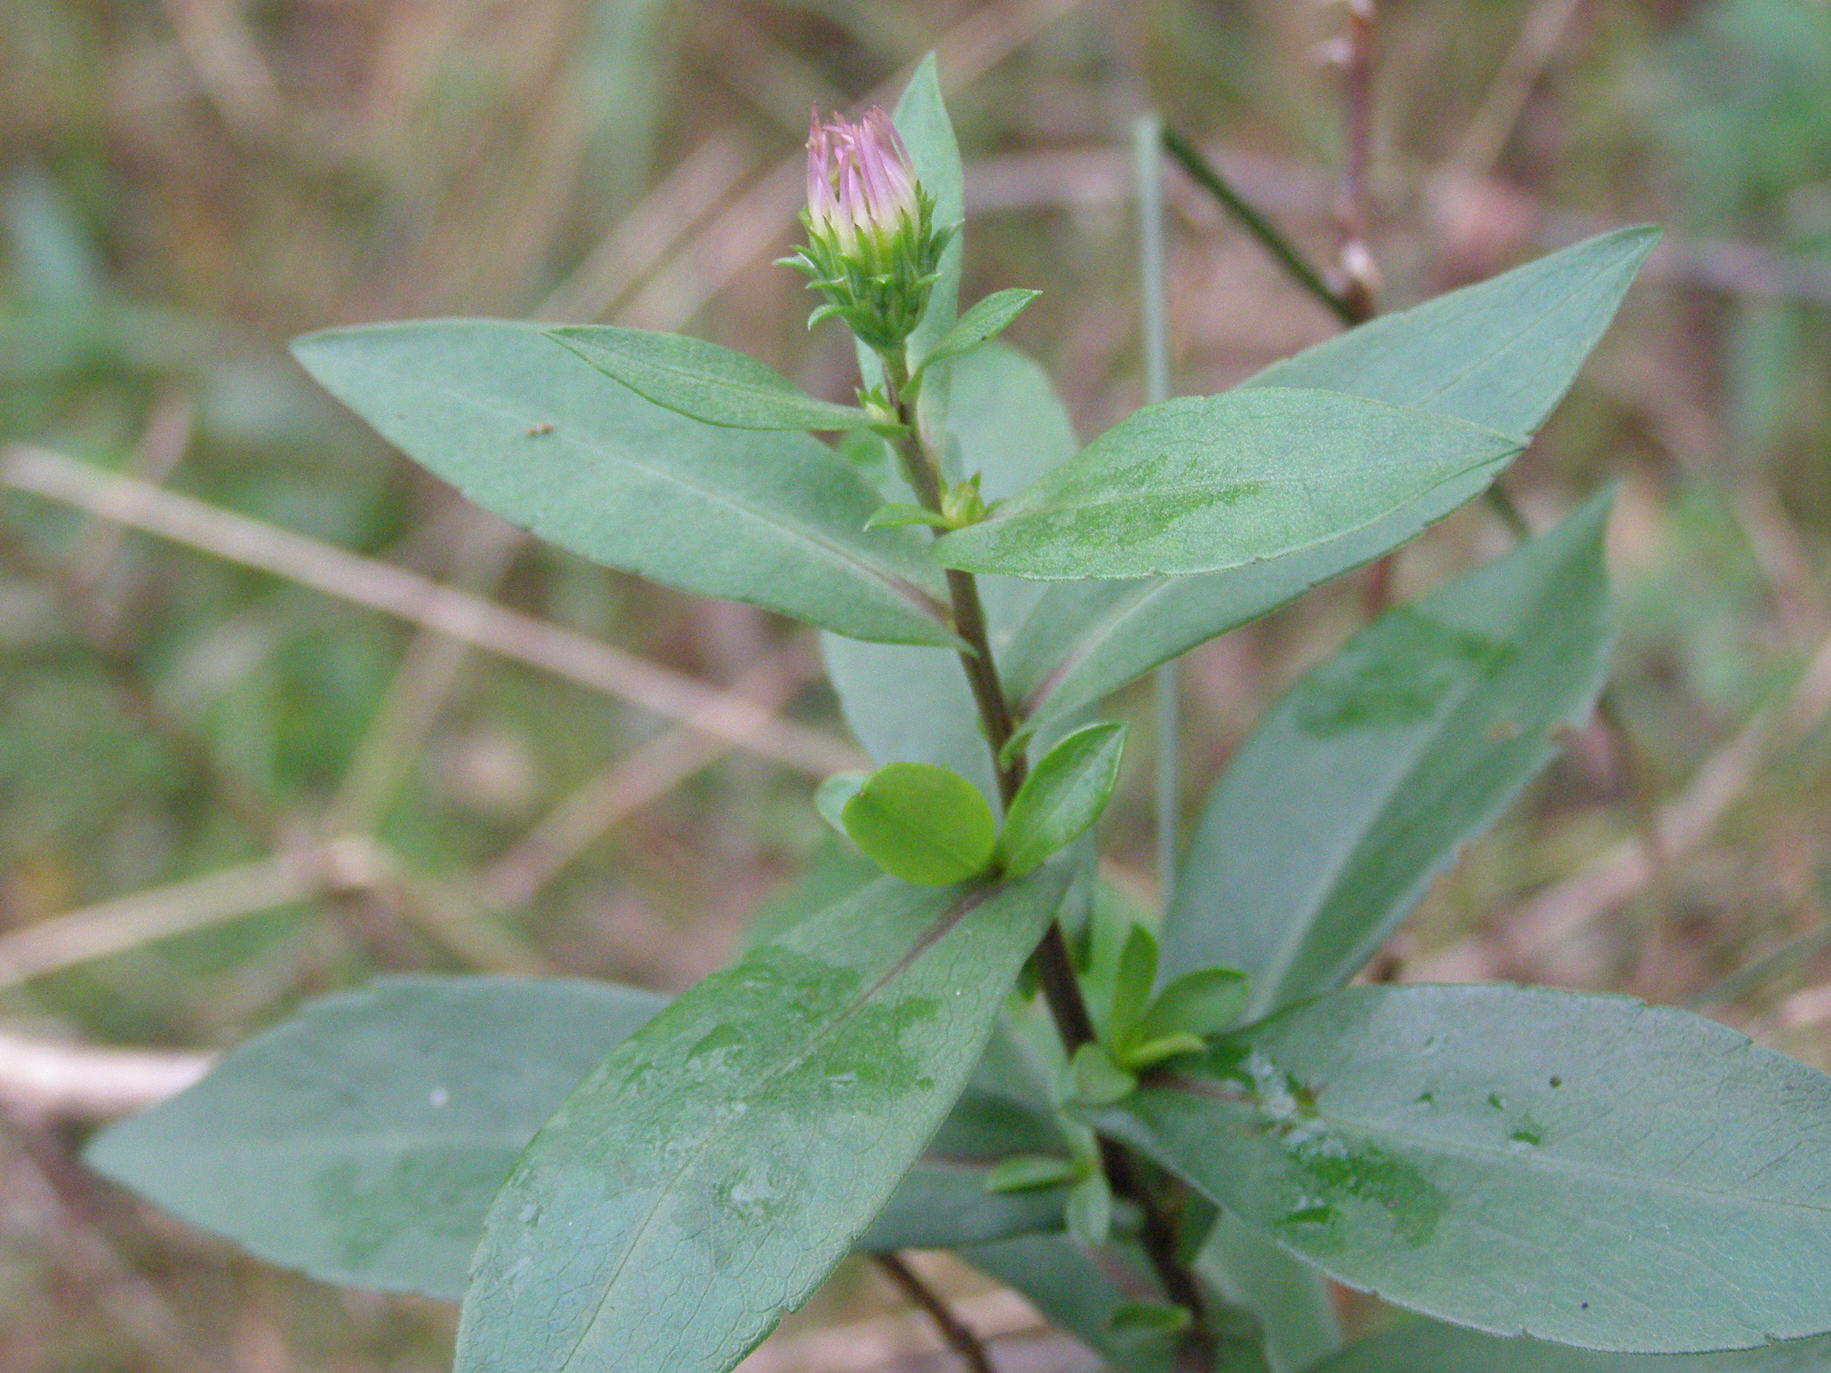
[859, 182]
[873, 248]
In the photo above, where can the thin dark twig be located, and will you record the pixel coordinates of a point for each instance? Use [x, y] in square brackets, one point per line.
[959, 1336]
[1206, 175]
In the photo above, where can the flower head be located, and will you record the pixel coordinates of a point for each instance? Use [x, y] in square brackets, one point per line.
[872, 247]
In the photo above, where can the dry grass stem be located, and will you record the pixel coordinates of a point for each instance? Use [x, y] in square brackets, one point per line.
[393, 590]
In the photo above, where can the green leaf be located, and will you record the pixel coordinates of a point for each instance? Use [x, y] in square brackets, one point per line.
[1146, 1051]
[533, 434]
[1153, 1316]
[1365, 780]
[1204, 1002]
[1133, 977]
[1202, 483]
[1523, 333]
[896, 514]
[835, 793]
[987, 319]
[942, 1203]
[1097, 1080]
[362, 1140]
[1089, 1210]
[708, 1175]
[835, 872]
[922, 823]
[1583, 1169]
[1008, 1106]
[1025, 1172]
[1289, 1299]
[703, 380]
[1082, 1292]
[1062, 797]
[921, 121]
[1005, 422]
[1500, 353]
[1083, 640]
[1417, 1346]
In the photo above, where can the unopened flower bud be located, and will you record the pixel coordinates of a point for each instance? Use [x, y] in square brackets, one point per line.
[873, 249]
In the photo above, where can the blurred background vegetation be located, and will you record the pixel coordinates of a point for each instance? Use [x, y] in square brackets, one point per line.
[244, 761]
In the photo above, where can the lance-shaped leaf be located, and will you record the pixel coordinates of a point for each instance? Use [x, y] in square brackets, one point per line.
[1583, 1169]
[1063, 797]
[1523, 333]
[987, 319]
[361, 1140]
[922, 123]
[1501, 353]
[1208, 482]
[1418, 1346]
[535, 435]
[1366, 778]
[701, 1182]
[703, 380]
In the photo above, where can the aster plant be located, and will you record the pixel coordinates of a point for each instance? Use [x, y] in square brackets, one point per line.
[1169, 1129]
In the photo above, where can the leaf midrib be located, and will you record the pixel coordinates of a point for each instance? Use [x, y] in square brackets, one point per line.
[777, 391]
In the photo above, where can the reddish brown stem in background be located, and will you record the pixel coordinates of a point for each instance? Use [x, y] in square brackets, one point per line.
[959, 1336]
[1359, 279]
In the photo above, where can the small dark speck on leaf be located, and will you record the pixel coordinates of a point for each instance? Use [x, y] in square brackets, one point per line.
[1557, 1082]
[543, 427]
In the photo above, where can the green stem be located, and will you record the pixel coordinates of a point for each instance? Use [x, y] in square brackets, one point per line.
[1204, 174]
[1053, 961]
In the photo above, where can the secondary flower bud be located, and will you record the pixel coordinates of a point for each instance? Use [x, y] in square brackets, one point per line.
[873, 249]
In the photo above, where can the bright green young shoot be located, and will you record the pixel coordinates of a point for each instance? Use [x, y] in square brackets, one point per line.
[921, 823]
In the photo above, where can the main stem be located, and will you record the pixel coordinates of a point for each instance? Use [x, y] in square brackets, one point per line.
[1053, 962]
